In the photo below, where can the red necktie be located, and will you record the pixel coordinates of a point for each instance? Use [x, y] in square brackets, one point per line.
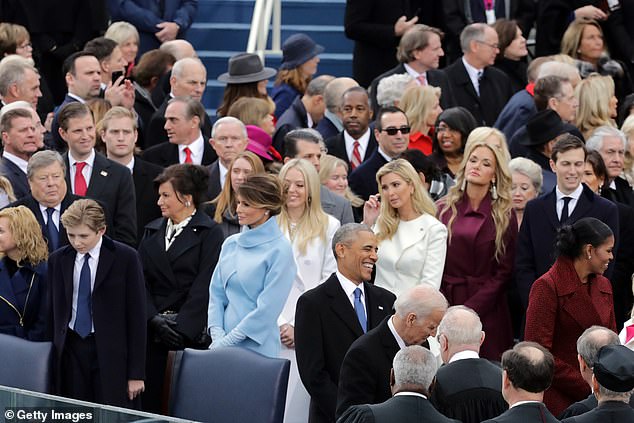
[629, 333]
[355, 160]
[422, 80]
[80, 182]
[188, 155]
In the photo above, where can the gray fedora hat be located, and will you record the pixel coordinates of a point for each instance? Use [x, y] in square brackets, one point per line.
[244, 68]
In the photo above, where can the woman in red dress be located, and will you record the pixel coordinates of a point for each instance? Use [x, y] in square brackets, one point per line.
[569, 298]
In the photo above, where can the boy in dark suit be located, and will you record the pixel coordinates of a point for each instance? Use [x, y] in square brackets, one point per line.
[98, 312]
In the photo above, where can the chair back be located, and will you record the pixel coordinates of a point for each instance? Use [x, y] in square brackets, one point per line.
[230, 384]
[26, 364]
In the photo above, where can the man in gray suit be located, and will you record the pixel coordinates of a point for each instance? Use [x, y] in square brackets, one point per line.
[413, 371]
[306, 144]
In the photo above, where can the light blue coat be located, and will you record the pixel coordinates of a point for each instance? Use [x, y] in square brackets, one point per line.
[249, 287]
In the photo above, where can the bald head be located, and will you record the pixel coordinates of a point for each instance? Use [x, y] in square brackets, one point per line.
[180, 49]
[459, 330]
[334, 91]
[189, 78]
[418, 313]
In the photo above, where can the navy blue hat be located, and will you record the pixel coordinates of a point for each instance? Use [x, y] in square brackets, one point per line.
[614, 368]
[299, 49]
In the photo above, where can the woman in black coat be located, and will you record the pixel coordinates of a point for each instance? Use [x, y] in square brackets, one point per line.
[179, 253]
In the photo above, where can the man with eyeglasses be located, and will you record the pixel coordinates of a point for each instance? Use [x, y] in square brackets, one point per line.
[228, 139]
[392, 133]
[184, 118]
[477, 85]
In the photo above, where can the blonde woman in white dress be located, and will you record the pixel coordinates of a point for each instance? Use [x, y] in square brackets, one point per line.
[310, 231]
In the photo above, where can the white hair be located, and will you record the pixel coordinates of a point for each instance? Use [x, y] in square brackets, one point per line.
[391, 88]
[414, 365]
[461, 326]
[561, 69]
[229, 119]
[595, 142]
[422, 300]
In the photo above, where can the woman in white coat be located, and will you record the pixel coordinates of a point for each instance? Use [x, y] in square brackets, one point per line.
[310, 231]
[412, 242]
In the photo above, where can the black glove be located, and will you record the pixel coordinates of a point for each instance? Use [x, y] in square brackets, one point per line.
[165, 334]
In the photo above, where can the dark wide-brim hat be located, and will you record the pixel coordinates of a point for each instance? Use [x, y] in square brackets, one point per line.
[545, 126]
[614, 368]
[244, 68]
[299, 49]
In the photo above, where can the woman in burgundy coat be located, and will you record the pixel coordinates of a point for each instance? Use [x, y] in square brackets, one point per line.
[569, 298]
[482, 230]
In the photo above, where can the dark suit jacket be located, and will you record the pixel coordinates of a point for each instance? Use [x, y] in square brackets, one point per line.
[325, 326]
[178, 279]
[143, 175]
[535, 247]
[32, 204]
[435, 78]
[402, 409]
[370, 23]
[363, 179]
[327, 128]
[23, 307]
[622, 194]
[14, 174]
[365, 371]
[469, 399]
[607, 412]
[337, 147]
[145, 109]
[155, 131]
[582, 407]
[166, 154]
[294, 117]
[111, 184]
[495, 91]
[118, 314]
[214, 187]
[525, 413]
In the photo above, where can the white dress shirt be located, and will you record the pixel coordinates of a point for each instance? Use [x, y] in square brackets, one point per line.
[56, 214]
[349, 287]
[223, 174]
[196, 147]
[399, 340]
[87, 171]
[410, 70]
[21, 163]
[473, 75]
[93, 262]
[363, 140]
[571, 204]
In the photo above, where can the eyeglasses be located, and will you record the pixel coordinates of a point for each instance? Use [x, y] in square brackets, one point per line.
[493, 46]
[393, 131]
[443, 129]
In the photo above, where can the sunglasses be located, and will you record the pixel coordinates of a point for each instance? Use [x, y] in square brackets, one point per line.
[393, 131]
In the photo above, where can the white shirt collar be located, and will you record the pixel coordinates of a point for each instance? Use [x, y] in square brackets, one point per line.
[89, 161]
[525, 402]
[76, 97]
[410, 394]
[463, 355]
[412, 72]
[363, 141]
[349, 287]
[399, 340]
[574, 195]
[21, 163]
[94, 252]
[131, 165]
[309, 120]
[382, 153]
[473, 73]
[223, 173]
[196, 147]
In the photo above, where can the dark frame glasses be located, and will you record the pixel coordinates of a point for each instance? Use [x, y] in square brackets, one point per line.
[393, 131]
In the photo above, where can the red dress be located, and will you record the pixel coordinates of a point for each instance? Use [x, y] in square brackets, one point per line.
[422, 142]
[560, 308]
[474, 278]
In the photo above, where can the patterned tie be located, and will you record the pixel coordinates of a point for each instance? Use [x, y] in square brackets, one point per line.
[83, 318]
[422, 79]
[188, 155]
[355, 160]
[358, 308]
[51, 231]
[564, 210]
[479, 75]
[80, 182]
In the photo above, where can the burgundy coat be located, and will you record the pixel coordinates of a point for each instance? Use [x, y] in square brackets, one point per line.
[472, 275]
[560, 308]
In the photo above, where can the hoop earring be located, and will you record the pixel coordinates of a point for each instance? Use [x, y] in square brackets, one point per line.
[464, 185]
[494, 191]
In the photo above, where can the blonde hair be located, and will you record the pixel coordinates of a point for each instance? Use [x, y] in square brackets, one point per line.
[314, 220]
[594, 94]
[628, 130]
[418, 102]
[121, 32]
[485, 134]
[294, 78]
[251, 110]
[27, 235]
[388, 220]
[226, 200]
[84, 212]
[574, 33]
[501, 208]
[327, 165]
[5, 185]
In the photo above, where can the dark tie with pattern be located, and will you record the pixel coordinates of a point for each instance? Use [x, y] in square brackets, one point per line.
[83, 318]
[51, 231]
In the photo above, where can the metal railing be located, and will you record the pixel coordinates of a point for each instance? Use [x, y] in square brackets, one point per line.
[260, 23]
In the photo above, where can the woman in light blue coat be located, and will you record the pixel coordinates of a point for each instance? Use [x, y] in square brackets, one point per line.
[254, 274]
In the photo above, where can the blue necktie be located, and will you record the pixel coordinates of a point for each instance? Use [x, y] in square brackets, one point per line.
[83, 318]
[358, 308]
[52, 231]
